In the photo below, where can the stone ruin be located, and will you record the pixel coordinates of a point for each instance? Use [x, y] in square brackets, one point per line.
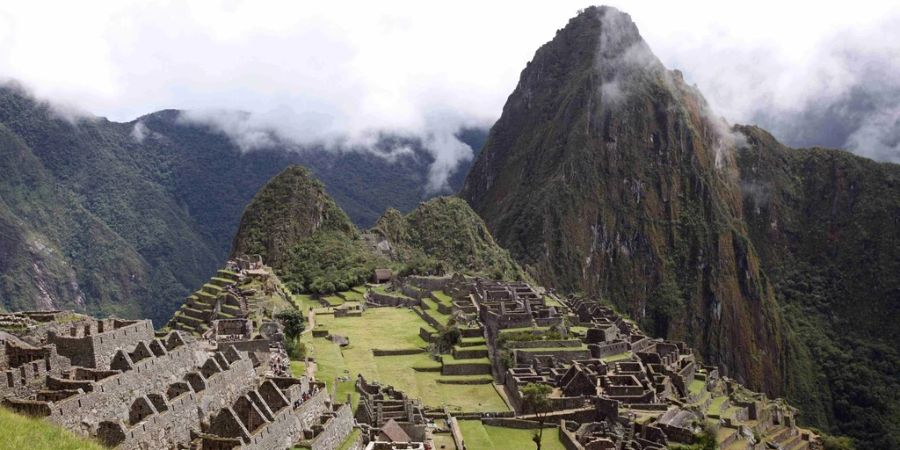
[612, 386]
[642, 397]
[123, 384]
[388, 416]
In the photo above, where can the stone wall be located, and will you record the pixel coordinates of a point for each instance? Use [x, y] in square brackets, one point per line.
[568, 439]
[428, 319]
[564, 356]
[429, 283]
[539, 344]
[390, 300]
[23, 379]
[250, 345]
[95, 348]
[465, 369]
[397, 351]
[509, 422]
[335, 430]
[609, 349]
[164, 386]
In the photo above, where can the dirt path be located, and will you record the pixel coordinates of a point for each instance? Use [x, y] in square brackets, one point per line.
[312, 322]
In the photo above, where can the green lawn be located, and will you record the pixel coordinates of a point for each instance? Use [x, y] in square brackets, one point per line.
[305, 301]
[449, 360]
[715, 405]
[485, 437]
[352, 295]
[442, 297]
[433, 311]
[20, 432]
[696, 386]
[391, 328]
[550, 301]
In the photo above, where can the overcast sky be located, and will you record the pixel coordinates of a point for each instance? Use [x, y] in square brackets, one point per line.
[317, 71]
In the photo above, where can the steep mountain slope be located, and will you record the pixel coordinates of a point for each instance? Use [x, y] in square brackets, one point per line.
[826, 224]
[124, 245]
[290, 208]
[307, 238]
[146, 210]
[607, 174]
[447, 232]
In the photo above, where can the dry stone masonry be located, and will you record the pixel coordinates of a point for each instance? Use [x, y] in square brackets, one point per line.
[128, 387]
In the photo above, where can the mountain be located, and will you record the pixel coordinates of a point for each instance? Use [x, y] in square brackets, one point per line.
[447, 231]
[290, 208]
[608, 175]
[826, 225]
[128, 218]
[300, 231]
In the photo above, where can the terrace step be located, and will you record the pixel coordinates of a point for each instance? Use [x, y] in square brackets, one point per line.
[220, 282]
[211, 289]
[195, 313]
[471, 332]
[470, 352]
[227, 274]
[472, 342]
[463, 379]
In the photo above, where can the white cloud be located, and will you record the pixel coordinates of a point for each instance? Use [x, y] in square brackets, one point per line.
[322, 72]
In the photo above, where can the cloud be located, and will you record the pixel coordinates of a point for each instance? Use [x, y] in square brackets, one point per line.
[139, 132]
[343, 73]
[837, 88]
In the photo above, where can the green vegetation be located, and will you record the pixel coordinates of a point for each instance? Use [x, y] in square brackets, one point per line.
[836, 442]
[715, 406]
[696, 386]
[444, 234]
[392, 328]
[536, 400]
[315, 249]
[114, 225]
[293, 322]
[798, 245]
[350, 440]
[487, 437]
[834, 263]
[20, 432]
[442, 298]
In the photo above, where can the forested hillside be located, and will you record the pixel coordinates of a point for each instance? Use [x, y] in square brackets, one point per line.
[127, 218]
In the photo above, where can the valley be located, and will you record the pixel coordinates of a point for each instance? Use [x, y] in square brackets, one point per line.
[615, 266]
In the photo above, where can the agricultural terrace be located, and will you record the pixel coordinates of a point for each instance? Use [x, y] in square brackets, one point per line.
[418, 375]
[485, 437]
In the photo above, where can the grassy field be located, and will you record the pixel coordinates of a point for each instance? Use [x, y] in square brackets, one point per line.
[696, 387]
[305, 302]
[392, 328]
[333, 300]
[485, 437]
[433, 311]
[20, 432]
[352, 295]
[442, 297]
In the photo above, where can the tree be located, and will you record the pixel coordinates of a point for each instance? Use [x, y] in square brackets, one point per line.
[293, 322]
[536, 398]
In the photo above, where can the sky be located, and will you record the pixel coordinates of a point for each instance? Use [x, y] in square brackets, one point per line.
[340, 72]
